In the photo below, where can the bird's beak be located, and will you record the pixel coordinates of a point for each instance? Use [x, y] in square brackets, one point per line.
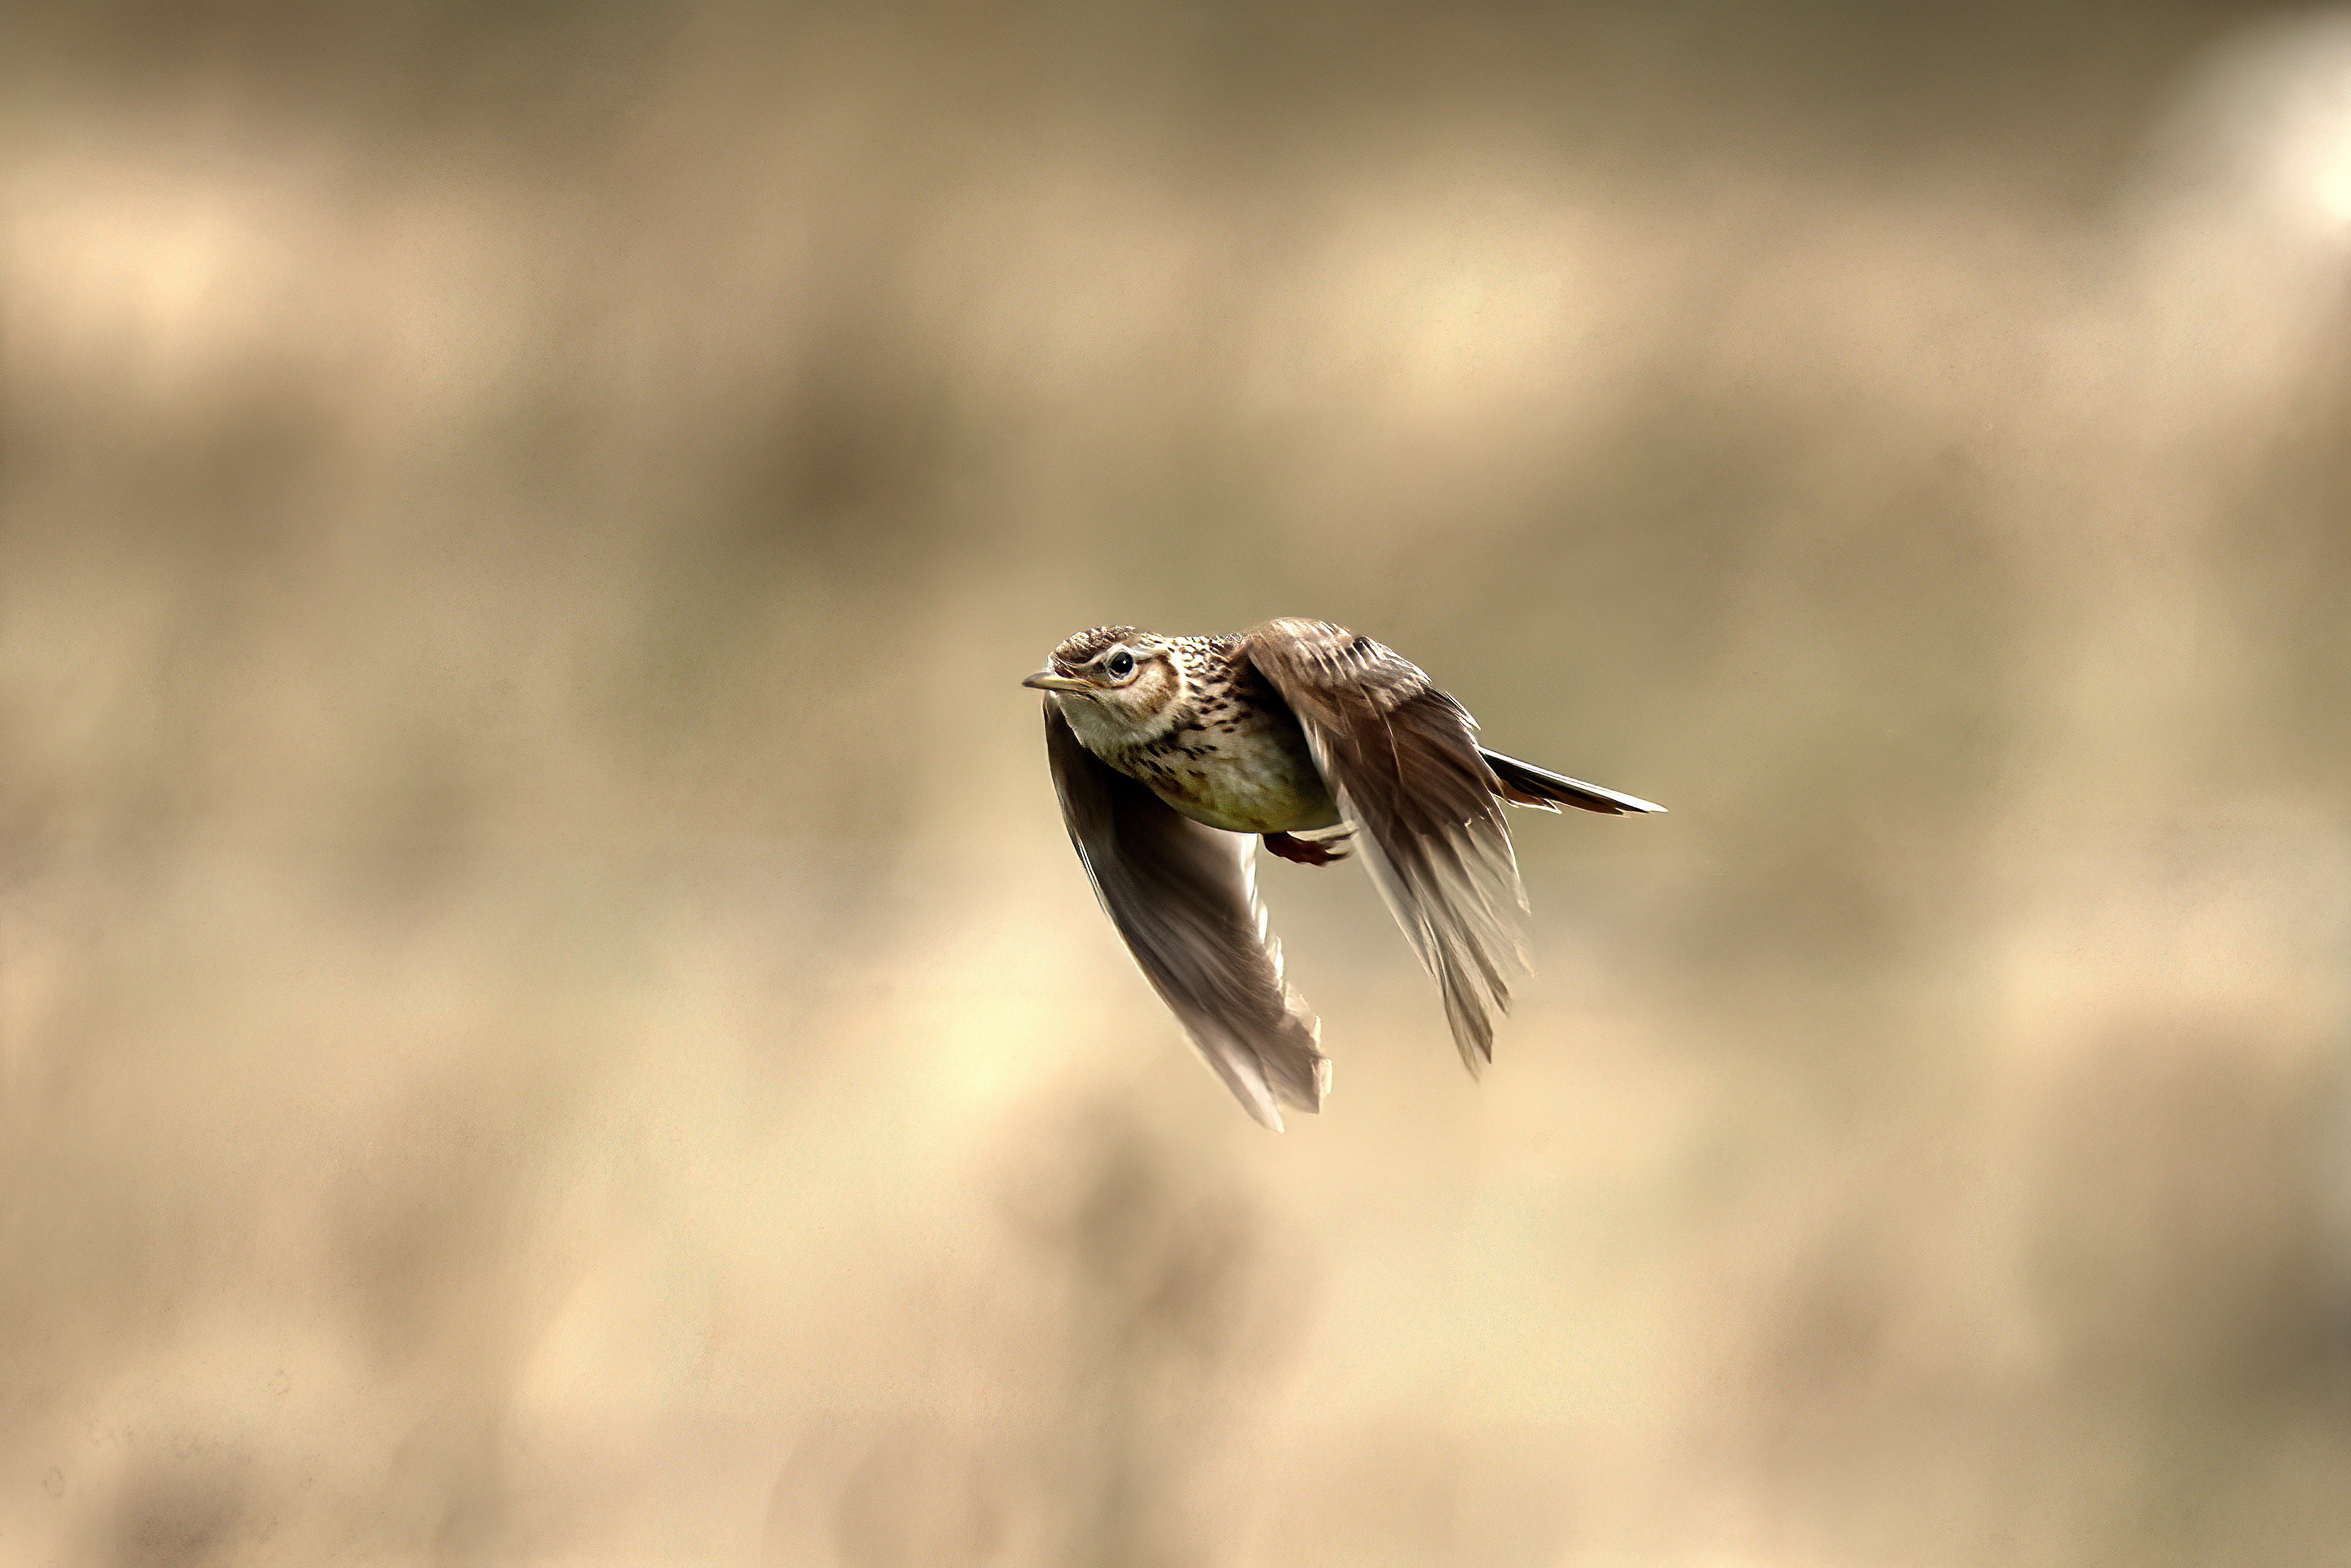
[1047, 681]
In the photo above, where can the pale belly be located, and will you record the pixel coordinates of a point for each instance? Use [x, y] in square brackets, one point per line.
[1257, 783]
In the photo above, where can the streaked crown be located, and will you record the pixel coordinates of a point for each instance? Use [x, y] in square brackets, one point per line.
[1135, 685]
[1086, 646]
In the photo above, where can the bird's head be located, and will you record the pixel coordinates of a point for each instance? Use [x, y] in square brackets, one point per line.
[1117, 686]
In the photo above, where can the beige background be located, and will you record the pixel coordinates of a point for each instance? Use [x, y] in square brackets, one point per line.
[546, 1015]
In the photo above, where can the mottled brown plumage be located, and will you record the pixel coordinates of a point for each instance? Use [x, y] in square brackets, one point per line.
[1166, 751]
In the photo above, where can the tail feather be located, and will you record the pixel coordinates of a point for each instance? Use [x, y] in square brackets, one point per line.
[1528, 785]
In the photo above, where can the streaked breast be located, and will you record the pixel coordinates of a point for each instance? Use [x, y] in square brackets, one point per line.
[1255, 779]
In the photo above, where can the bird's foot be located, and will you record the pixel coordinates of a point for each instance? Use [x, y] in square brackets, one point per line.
[1310, 852]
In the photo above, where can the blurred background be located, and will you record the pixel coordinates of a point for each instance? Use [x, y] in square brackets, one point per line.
[546, 1012]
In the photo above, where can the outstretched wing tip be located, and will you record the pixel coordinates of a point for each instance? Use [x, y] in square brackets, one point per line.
[1261, 1110]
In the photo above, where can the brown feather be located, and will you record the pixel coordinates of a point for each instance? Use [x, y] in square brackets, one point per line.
[1404, 760]
[1531, 786]
[1183, 897]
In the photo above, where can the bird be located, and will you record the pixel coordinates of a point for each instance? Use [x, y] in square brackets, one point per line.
[1174, 758]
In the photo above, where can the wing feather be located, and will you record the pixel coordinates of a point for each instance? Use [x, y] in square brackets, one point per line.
[1402, 758]
[1183, 897]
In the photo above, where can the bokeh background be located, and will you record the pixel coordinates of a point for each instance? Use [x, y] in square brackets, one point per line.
[546, 1014]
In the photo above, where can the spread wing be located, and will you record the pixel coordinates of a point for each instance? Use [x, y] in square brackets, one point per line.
[1402, 758]
[1184, 895]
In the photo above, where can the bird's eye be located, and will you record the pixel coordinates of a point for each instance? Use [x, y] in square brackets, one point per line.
[1120, 664]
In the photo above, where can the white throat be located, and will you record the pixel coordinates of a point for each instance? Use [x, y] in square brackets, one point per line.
[1110, 723]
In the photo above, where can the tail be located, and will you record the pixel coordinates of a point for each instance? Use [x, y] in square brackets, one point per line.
[1528, 785]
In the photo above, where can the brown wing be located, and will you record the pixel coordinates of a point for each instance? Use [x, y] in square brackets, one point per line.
[1184, 895]
[1402, 758]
